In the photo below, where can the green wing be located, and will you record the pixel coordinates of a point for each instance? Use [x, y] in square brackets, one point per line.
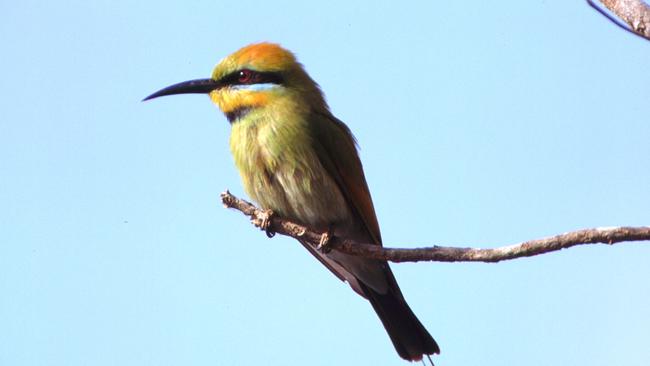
[337, 151]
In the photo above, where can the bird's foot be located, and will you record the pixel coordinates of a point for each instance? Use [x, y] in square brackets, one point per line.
[265, 225]
[323, 244]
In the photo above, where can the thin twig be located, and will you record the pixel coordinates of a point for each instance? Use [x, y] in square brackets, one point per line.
[607, 235]
[635, 13]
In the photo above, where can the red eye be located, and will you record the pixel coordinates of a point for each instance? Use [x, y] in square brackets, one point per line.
[245, 76]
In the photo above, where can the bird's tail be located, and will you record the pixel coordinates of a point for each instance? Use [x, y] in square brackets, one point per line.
[411, 340]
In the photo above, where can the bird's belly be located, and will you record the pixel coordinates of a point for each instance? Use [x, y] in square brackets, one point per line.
[290, 180]
[281, 170]
[303, 194]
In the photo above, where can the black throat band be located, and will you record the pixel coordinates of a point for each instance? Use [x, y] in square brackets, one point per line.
[236, 114]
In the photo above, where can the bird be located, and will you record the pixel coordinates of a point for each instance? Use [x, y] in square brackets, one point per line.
[300, 162]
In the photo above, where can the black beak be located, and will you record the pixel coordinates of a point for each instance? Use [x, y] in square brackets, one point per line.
[198, 86]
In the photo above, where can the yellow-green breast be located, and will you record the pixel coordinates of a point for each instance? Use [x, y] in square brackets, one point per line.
[280, 168]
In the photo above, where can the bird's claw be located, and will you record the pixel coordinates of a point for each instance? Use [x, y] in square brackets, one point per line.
[265, 225]
[324, 242]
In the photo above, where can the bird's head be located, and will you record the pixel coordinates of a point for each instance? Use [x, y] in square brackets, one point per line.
[256, 76]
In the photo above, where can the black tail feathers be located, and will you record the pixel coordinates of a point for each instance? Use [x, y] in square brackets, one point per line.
[411, 340]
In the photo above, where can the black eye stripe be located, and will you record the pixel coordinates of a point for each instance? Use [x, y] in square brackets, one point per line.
[252, 77]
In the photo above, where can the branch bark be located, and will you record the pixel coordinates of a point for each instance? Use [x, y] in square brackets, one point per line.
[607, 235]
[636, 13]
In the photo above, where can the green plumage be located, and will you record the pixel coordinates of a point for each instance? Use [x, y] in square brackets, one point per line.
[280, 168]
[298, 160]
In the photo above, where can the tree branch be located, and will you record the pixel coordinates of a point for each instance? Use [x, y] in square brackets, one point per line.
[608, 235]
[636, 13]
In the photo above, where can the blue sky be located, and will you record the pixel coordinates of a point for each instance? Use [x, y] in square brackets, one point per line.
[479, 125]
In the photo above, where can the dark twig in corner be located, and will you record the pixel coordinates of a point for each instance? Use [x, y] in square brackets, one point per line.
[608, 235]
[636, 13]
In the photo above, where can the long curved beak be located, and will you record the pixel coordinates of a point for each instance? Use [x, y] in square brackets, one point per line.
[198, 86]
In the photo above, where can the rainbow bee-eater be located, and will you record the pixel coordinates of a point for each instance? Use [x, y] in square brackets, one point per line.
[299, 161]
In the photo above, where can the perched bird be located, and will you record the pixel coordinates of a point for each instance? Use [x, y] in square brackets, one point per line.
[298, 160]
